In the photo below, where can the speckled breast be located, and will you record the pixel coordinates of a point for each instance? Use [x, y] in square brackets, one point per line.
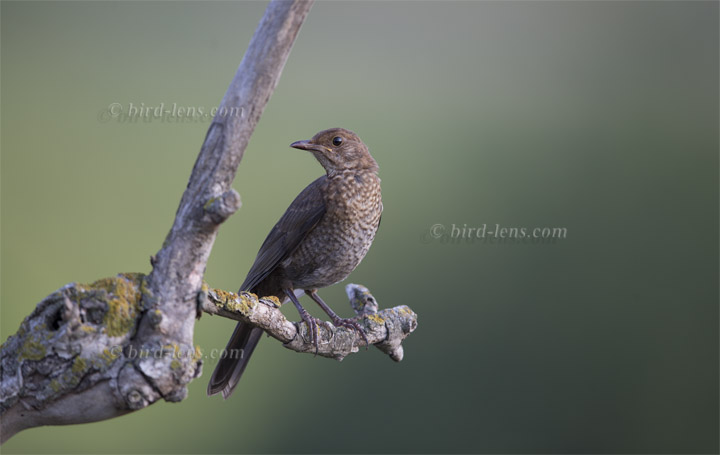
[343, 237]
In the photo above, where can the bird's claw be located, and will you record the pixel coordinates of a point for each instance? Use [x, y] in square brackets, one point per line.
[313, 332]
[312, 329]
[353, 325]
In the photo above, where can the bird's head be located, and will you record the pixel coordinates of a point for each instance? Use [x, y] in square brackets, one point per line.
[338, 149]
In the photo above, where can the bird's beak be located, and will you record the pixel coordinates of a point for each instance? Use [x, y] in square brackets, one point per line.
[309, 146]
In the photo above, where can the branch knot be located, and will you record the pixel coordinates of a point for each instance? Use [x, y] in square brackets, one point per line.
[221, 207]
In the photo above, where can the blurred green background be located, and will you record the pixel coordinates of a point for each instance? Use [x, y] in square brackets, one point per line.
[600, 117]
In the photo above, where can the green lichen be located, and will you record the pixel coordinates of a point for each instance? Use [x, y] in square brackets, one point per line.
[143, 286]
[79, 365]
[198, 354]
[172, 347]
[123, 299]
[70, 379]
[245, 303]
[88, 328]
[209, 203]
[405, 310]
[224, 297]
[175, 364]
[32, 350]
[108, 357]
[120, 318]
[239, 303]
[55, 385]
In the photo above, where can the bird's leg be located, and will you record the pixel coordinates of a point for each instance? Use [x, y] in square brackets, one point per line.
[307, 317]
[337, 320]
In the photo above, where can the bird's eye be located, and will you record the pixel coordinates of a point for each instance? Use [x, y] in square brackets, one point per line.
[337, 140]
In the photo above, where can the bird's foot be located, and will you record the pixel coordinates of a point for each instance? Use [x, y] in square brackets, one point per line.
[351, 324]
[312, 328]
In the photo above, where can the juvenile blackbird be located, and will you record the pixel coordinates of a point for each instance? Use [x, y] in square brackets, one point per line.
[319, 240]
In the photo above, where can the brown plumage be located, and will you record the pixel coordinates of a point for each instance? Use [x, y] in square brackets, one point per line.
[319, 240]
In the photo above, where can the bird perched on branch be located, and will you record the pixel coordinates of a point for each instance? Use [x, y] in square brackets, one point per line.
[319, 240]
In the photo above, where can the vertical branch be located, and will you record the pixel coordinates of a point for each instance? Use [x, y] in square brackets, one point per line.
[75, 358]
[209, 199]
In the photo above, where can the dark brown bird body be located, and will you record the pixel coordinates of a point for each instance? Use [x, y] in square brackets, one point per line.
[338, 243]
[319, 240]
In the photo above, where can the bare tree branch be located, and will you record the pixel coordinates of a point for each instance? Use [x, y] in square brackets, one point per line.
[154, 314]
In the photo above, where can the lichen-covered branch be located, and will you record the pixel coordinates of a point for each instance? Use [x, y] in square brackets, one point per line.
[385, 329]
[70, 360]
[56, 368]
[73, 359]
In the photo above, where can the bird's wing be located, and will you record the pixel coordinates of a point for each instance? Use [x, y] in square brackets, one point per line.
[299, 219]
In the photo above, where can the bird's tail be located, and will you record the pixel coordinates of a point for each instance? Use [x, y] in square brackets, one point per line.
[237, 354]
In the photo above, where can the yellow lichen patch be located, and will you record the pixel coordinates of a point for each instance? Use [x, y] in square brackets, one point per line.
[55, 385]
[107, 284]
[32, 350]
[197, 355]
[123, 299]
[175, 365]
[88, 328]
[406, 310]
[71, 378]
[245, 303]
[79, 365]
[376, 319]
[224, 297]
[108, 357]
[209, 203]
[143, 284]
[274, 300]
[120, 317]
